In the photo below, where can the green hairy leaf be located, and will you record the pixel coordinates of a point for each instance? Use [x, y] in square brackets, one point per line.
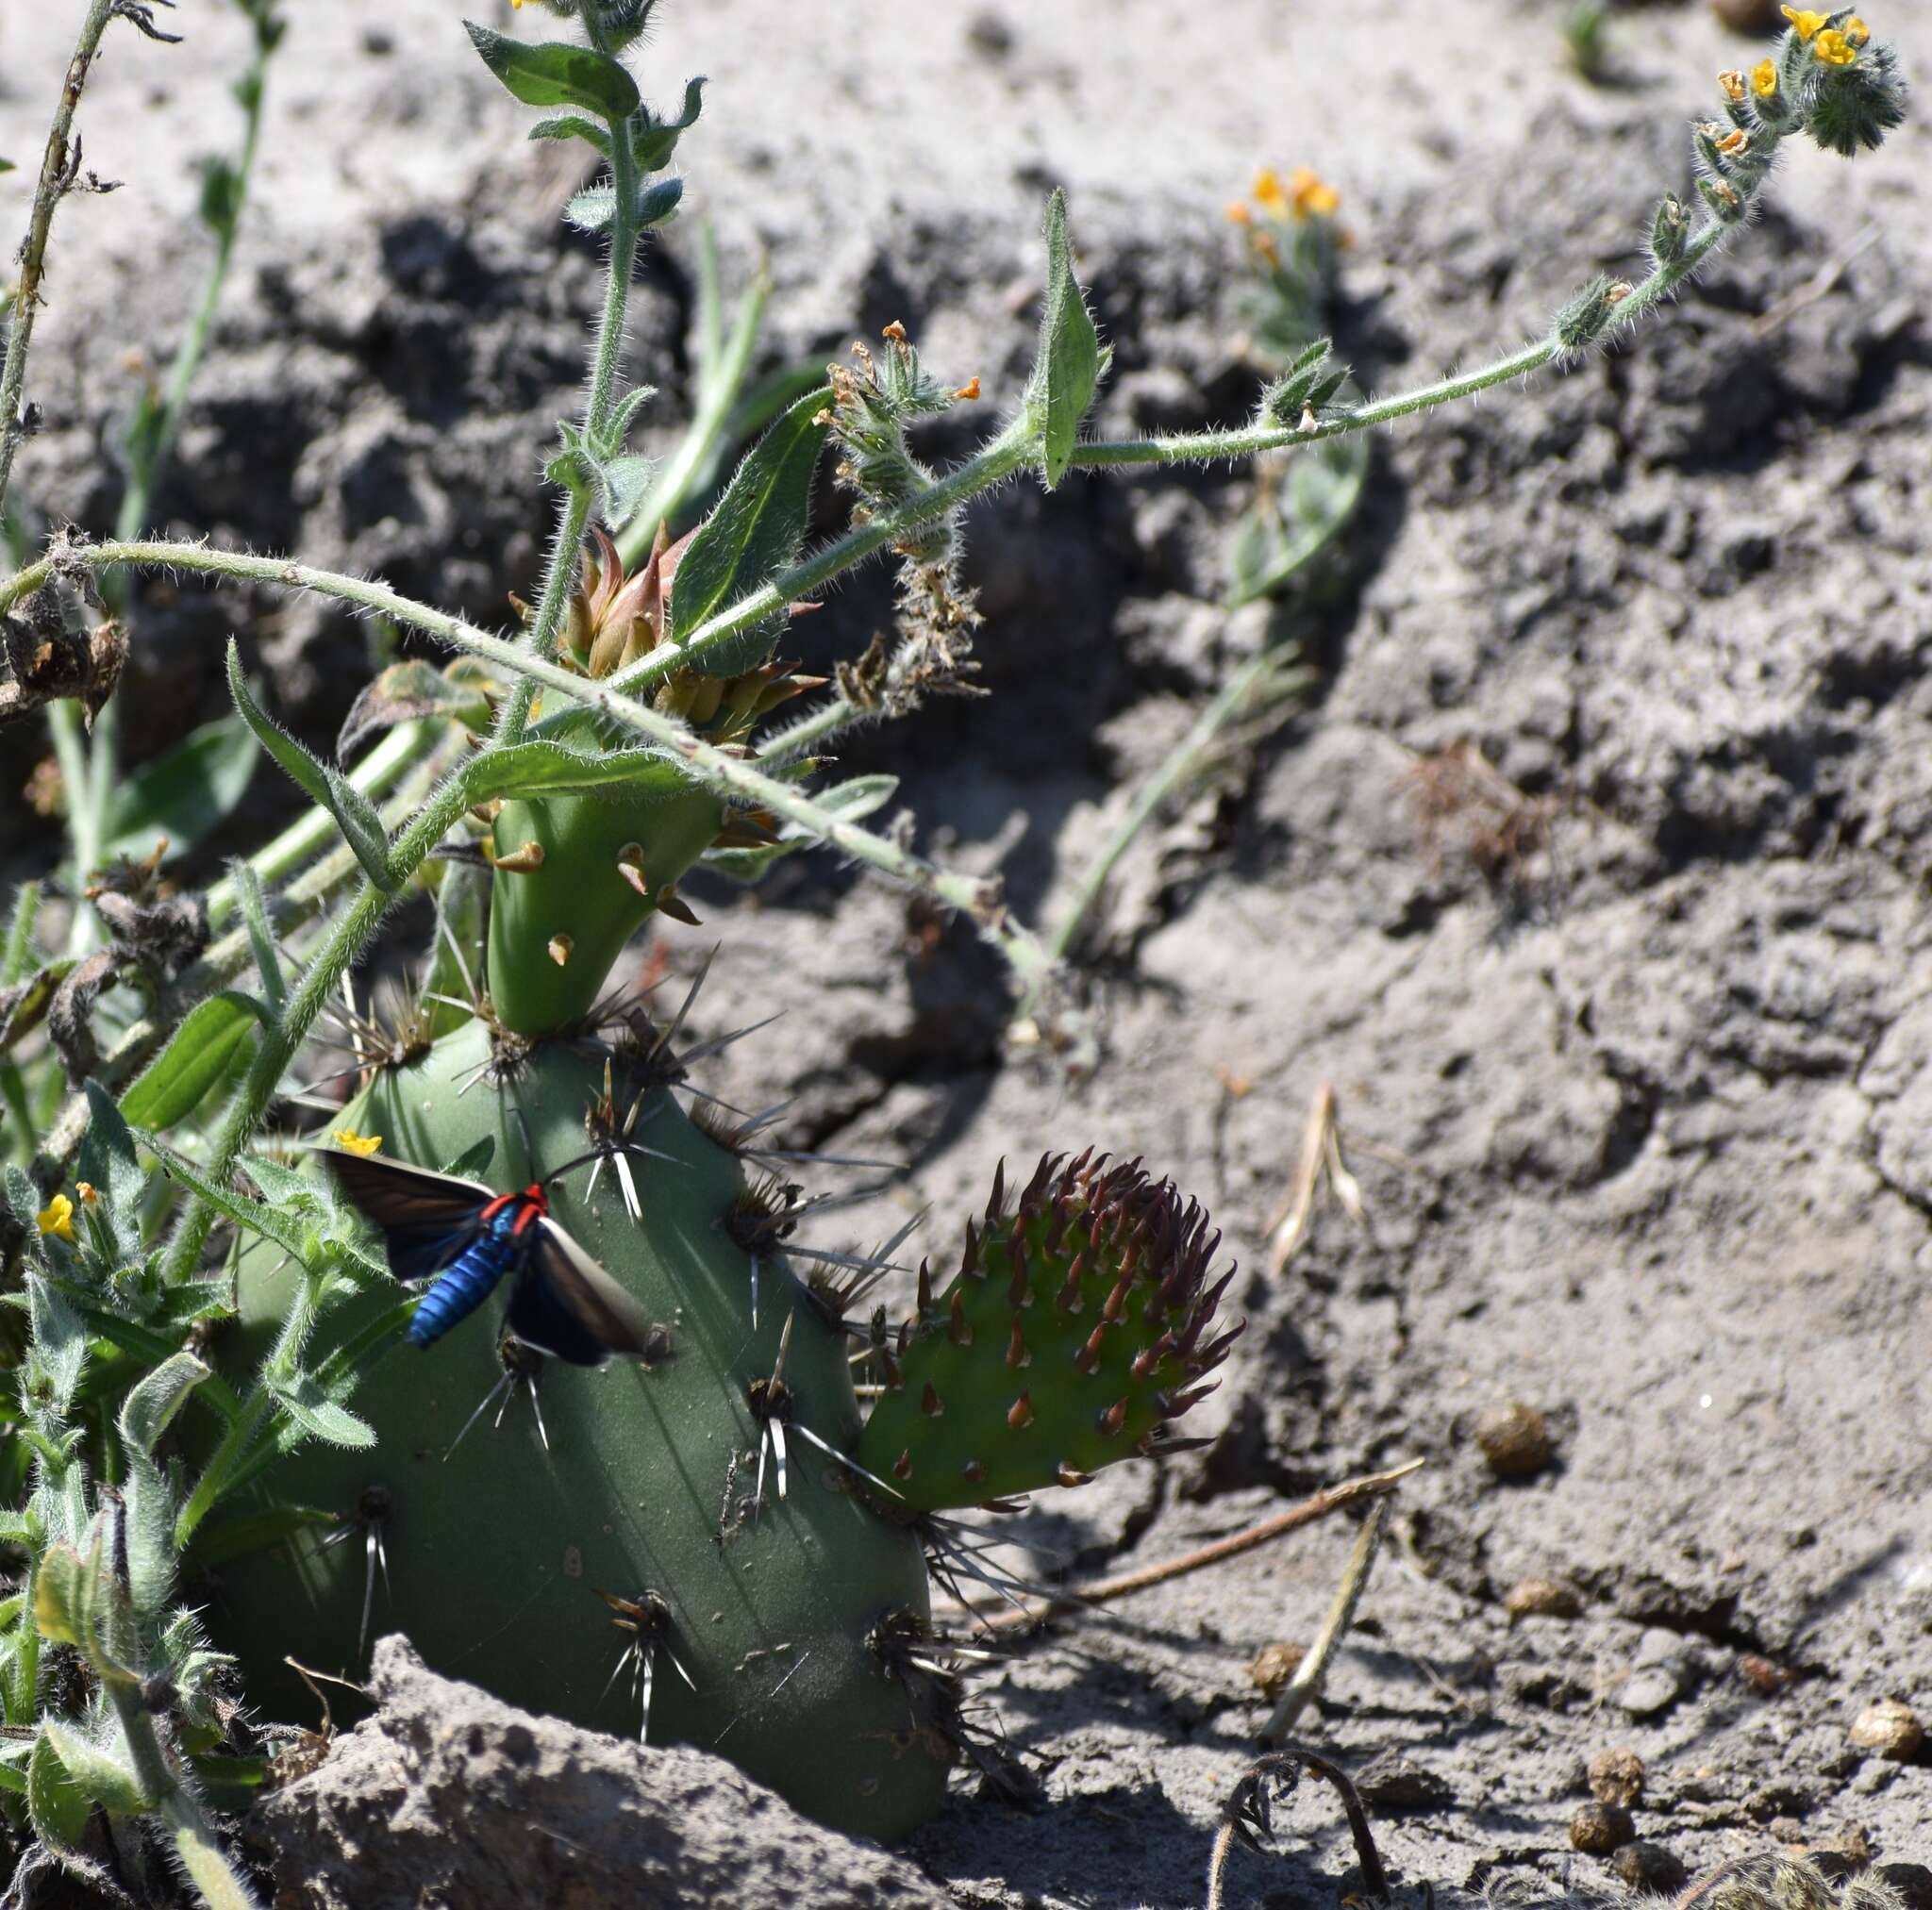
[56, 1807]
[753, 533]
[354, 813]
[1067, 366]
[321, 1417]
[554, 75]
[97, 1771]
[655, 140]
[573, 127]
[537, 769]
[67, 1596]
[150, 1406]
[59, 1348]
[213, 1040]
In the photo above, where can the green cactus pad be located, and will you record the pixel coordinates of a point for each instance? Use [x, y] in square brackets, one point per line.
[1072, 1334]
[533, 1568]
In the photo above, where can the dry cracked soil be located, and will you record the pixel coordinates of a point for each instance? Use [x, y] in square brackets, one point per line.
[1625, 1031]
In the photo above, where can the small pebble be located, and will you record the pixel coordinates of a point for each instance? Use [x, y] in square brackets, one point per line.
[1891, 1729]
[1649, 1869]
[1539, 1597]
[1516, 1441]
[1273, 1665]
[1764, 1675]
[1597, 1828]
[1616, 1777]
[1646, 1693]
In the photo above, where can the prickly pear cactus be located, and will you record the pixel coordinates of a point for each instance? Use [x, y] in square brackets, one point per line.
[710, 1544]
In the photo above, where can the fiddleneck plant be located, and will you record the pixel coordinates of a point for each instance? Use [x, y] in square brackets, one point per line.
[713, 1542]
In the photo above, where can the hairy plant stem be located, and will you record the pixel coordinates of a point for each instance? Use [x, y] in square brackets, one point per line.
[566, 552]
[195, 1843]
[53, 181]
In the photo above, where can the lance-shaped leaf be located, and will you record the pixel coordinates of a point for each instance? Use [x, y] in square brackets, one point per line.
[147, 1505]
[539, 769]
[555, 75]
[653, 141]
[1067, 366]
[67, 1596]
[183, 794]
[211, 1042]
[753, 533]
[573, 127]
[100, 1774]
[57, 1351]
[256, 1216]
[56, 1807]
[305, 1402]
[354, 813]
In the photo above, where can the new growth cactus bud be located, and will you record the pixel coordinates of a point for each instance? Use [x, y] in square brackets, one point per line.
[1074, 1333]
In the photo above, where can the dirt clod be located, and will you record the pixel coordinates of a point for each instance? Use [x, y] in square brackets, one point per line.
[1616, 1777]
[1597, 1828]
[1539, 1597]
[1272, 1666]
[1891, 1729]
[1649, 1869]
[1515, 1440]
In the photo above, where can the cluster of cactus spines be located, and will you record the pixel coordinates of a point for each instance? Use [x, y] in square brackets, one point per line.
[1073, 1334]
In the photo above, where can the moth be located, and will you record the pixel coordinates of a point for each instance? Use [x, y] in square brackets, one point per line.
[465, 1237]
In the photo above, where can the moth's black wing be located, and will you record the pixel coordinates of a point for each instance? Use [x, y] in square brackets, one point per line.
[566, 1303]
[426, 1218]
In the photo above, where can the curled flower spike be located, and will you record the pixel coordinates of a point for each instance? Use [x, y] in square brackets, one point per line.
[1803, 22]
[351, 1142]
[1831, 48]
[1764, 78]
[57, 1218]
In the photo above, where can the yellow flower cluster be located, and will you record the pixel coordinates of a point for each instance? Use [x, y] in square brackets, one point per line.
[351, 1142]
[1830, 45]
[1306, 195]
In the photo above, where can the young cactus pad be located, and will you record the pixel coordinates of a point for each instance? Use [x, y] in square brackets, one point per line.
[1072, 1334]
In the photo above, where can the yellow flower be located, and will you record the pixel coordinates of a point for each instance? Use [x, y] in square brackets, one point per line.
[57, 1217]
[1238, 213]
[352, 1142]
[1268, 193]
[1831, 48]
[1314, 197]
[1857, 33]
[1764, 78]
[1803, 20]
[1733, 83]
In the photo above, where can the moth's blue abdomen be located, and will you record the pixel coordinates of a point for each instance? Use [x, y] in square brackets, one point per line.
[469, 1281]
